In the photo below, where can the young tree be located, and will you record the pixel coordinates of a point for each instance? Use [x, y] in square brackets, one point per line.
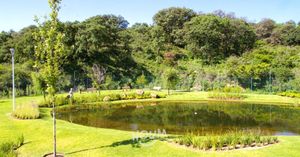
[98, 75]
[49, 53]
[141, 80]
[171, 78]
[38, 83]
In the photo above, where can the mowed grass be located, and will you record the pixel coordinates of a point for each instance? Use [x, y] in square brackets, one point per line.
[77, 140]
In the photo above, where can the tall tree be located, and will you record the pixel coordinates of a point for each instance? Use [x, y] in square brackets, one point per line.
[49, 52]
[265, 28]
[213, 38]
[172, 20]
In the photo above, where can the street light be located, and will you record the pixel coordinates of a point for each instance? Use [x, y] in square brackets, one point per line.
[13, 76]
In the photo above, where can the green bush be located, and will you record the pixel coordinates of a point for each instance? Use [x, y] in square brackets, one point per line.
[290, 94]
[27, 112]
[228, 92]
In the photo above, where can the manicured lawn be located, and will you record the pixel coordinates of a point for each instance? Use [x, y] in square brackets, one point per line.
[76, 140]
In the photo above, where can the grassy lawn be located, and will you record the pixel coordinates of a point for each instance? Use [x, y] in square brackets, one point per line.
[76, 140]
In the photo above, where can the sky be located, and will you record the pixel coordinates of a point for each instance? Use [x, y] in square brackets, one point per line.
[17, 14]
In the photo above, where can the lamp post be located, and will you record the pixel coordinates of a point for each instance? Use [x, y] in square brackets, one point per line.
[13, 76]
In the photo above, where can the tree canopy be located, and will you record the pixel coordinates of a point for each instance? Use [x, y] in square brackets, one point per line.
[206, 51]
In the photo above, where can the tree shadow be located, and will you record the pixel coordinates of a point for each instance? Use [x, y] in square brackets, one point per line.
[135, 143]
[3, 101]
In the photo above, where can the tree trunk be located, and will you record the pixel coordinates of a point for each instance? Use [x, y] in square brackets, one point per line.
[54, 130]
[44, 94]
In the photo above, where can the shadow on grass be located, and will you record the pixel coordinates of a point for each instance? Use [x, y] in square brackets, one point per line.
[135, 143]
[44, 113]
[3, 101]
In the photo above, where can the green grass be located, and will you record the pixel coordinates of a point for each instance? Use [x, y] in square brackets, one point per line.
[76, 140]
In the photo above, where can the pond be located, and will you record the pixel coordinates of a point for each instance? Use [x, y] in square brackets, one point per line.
[182, 117]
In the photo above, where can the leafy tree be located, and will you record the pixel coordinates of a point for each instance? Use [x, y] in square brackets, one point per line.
[49, 52]
[98, 75]
[38, 83]
[281, 33]
[141, 81]
[265, 28]
[171, 79]
[6, 43]
[24, 44]
[172, 20]
[212, 38]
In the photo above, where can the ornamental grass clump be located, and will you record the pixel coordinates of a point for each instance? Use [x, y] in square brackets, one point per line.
[7, 149]
[228, 141]
[229, 92]
[89, 98]
[30, 111]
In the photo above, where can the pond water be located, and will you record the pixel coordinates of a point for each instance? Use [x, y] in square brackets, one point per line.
[182, 117]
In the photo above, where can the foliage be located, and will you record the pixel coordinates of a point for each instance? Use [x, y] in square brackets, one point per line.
[172, 20]
[86, 98]
[27, 112]
[98, 75]
[7, 149]
[212, 38]
[290, 94]
[265, 66]
[229, 92]
[207, 51]
[49, 49]
[228, 141]
[171, 79]
[39, 85]
[141, 81]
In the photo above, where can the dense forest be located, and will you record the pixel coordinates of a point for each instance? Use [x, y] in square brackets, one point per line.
[200, 51]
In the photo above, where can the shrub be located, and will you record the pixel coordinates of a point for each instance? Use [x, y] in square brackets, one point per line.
[27, 112]
[106, 98]
[290, 94]
[94, 97]
[225, 96]
[228, 92]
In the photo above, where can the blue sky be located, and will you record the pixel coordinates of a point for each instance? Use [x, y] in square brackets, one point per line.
[16, 14]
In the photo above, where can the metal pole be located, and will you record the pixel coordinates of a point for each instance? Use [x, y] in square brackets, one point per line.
[13, 76]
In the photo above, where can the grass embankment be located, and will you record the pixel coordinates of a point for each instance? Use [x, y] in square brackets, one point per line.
[77, 140]
[175, 96]
[106, 96]
[249, 97]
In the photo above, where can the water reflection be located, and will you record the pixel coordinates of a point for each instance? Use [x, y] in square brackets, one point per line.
[182, 117]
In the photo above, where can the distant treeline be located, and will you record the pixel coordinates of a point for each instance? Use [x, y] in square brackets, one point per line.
[205, 51]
